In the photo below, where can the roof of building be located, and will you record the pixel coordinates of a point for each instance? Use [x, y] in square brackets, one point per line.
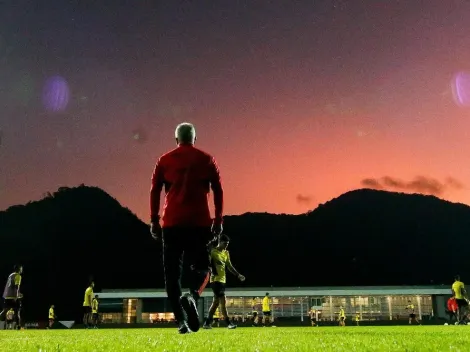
[292, 291]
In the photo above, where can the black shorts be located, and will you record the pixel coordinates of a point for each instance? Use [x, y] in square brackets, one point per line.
[11, 304]
[313, 319]
[255, 313]
[267, 314]
[218, 288]
[342, 318]
[86, 309]
[95, 316]
[412, 315]
[9, 321]
[192, 242]
[462, 303]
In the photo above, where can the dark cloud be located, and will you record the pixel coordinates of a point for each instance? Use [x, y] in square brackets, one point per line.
[301, 198]
[371, 183]
[420, 184]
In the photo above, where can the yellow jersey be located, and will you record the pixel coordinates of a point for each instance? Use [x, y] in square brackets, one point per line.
[217, 314]
[88, 295]
[220, 260]
[266, 304]
[10, 314]
[411, 308]
[358, 317]
[13, 286]
[458, 287]
[51, 313]
[94, 306]
[341, 313]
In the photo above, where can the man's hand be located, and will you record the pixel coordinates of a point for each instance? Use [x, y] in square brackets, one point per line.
[241, 277]
[156, 230]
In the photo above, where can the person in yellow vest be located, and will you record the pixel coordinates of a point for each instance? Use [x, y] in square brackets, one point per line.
[358, 318]
[220, 264]
[217, 317]
[10, 317]
[460, 294]
[313, 316]
[411, 310]
[342, 317]
[87, 304]
[12, 297]
[51, 316]
[94, 311]
[267, 315]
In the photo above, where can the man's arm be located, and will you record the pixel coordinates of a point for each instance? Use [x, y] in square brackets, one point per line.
[216, 186]
[231, 268]
[155, 191]
[18, 285]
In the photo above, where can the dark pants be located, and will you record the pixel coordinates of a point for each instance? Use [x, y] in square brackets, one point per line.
[192, 243]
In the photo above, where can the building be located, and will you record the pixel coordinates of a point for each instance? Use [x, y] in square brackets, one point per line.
[372, 303]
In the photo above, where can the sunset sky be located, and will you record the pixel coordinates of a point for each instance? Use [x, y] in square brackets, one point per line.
[299, 101]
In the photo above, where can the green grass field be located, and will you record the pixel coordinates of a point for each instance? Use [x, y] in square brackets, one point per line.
[401, 338]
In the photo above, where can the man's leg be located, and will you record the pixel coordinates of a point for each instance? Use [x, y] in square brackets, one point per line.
[210, 315]
[196, 252]
[223, 310]
[198, 257]
[172, 264]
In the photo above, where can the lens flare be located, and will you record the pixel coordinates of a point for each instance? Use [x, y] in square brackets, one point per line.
[56, 94]
[461, 89]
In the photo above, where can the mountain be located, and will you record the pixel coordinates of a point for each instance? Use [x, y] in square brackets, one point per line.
[363, 237]
[70, 236]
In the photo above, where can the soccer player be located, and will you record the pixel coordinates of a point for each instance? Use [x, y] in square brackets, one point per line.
[94, 311]
[187, 174]
[12, 295]
[313, 316]
[452, 310]
[217, 316]
[358, 319]
[87, 304]
[460, 294]
[342, 317]
[254, 310]
[51, 316]
[10, 318]
[220, 263]
[266, 305]
[411, 309]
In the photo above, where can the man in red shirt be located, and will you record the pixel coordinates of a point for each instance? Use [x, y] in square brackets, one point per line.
[187, 174]
[452, 308]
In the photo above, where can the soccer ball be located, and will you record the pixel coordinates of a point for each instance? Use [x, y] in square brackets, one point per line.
[446, 324]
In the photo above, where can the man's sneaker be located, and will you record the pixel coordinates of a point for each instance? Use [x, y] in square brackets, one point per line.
[231, 326]
[206, 326]
[183, 328]
[189, 306]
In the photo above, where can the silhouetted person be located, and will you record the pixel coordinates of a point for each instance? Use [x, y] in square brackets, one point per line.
[87, 301]
[12, 295]
[51, 316]
[460, 294]
[187, 174]
[94, 310]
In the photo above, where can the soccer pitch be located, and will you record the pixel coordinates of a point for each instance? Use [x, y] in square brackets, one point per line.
[400, 338]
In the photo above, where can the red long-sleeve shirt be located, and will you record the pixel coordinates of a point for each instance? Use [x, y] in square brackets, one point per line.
[452, 304]
[188, 174]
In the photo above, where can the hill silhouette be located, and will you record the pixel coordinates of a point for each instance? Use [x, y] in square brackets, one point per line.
[363, 237]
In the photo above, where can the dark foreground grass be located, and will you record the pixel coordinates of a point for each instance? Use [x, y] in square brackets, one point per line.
[400, 338]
